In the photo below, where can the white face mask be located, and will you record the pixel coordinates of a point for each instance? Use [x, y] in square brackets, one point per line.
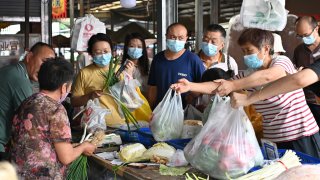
[63, 97]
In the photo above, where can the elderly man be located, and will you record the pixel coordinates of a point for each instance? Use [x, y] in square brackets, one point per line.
[172, 64]
[16, 86]
[211, 50]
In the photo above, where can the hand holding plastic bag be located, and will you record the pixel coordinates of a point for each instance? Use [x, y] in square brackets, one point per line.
[226, 147]
[167, 120]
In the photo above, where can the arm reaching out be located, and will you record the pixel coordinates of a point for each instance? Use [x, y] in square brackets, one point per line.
[183, 85]
[286, 84]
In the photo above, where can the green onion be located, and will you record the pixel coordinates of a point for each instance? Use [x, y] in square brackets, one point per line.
[110, 80]
[78, 169]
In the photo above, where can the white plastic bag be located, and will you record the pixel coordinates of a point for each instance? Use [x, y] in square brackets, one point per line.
[192, 113]
[83, 29]
[94, 115]
[226, 147]
[178, 159]
[167, 120]
[126, 92]
[264, 14]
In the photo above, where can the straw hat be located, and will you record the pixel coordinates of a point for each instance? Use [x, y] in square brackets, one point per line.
[277, 46]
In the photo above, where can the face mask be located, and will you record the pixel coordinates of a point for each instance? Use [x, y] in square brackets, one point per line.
[209, 49]
[63, 97]
[309, 40]
[252, 61]
[102, 60]
[175, 45]
[135, 53]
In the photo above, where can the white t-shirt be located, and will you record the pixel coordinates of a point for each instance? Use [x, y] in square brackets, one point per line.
[286, 117]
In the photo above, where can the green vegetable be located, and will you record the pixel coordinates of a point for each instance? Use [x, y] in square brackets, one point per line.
[172, 171]
[111, 79]
[78, 169]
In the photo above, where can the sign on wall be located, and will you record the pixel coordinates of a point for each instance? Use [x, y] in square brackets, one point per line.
[59, 9]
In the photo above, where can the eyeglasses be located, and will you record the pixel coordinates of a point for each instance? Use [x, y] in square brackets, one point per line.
[305, 35]
[180, 38]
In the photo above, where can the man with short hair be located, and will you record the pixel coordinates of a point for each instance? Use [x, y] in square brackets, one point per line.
[172, 64]
[306, 53]
[16, 86]
[211, 50]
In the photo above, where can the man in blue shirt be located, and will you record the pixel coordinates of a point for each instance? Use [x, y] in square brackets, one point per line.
[16, 86]
[173, 64]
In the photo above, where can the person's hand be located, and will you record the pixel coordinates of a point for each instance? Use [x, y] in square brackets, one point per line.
[239, 99]
[130, 67]
[89, 148]
[96, 94]
[182, 86]
[225, 87]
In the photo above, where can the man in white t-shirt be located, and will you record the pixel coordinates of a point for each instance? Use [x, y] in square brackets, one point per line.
[211, 50]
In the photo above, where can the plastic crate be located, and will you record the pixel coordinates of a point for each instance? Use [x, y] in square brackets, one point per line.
[136, 137]
[178, 143]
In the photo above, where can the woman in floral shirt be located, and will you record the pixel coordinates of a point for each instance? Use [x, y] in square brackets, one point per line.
[41, 130]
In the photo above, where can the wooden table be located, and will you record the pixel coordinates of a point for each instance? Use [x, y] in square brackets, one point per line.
[130, 173]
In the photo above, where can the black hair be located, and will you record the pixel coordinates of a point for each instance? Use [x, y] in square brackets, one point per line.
[143, 61]
[54, 73]
[176, 24]
[96, 38]
[216, 28]
[310, 19]
[213, 74]
[35, 49]
[257, 37]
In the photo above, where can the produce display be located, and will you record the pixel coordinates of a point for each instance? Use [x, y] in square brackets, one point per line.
[160, 153]
[226, 147]
[132, 153]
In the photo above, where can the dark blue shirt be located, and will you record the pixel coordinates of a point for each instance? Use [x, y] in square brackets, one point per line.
[164, 72]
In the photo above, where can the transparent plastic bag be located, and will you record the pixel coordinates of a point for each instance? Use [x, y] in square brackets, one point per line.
[125, 91]
[167, 120]
[94, 116]
[264, 14]
[192, 113]
[178, 159]
[226, 147]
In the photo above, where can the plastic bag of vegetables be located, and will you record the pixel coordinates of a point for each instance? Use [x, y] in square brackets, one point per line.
[167, 120]
[161, 152]
[226, 147]
[125, 91]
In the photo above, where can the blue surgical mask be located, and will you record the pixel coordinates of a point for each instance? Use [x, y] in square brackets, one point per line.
[252, 61]
[209, 49]
[102, 60]
[309, 39]
[175, 45]
[135, 53]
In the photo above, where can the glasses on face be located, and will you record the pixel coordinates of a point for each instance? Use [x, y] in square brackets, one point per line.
[100, 52]
[305, 35]
[180, 38]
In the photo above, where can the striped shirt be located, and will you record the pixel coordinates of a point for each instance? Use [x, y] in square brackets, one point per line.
[286, 117]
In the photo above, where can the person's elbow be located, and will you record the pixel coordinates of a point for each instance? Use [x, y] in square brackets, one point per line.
[66, 160]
